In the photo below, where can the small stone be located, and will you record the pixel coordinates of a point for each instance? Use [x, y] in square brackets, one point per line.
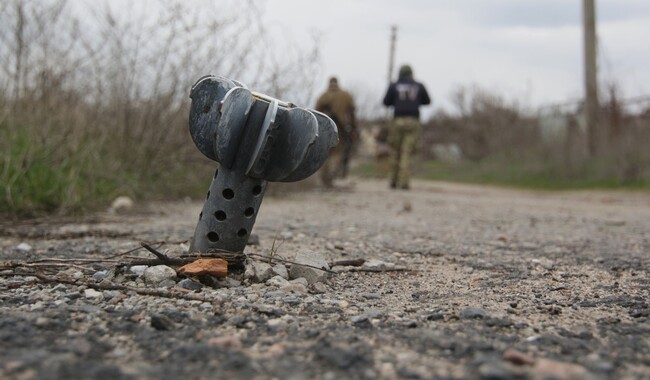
[277, 281]
[37, 306]
[375, 264]
[473, 313]
[212, 267]
[92, 293]
[469, 270]
[138, 269]
[110, 294]
[286, 235]
[258, 271]
[296, 288]
[158, 274]
[329, 246]
[190, 284]
[302, 281]
[281, 270]
[292, 301]
[98, 276]
[306, 264]
[24, 247]
[269, 310]
[161, 322]
[229, 283]
[373, 313]
[277, 323]
[275, 294]
[517, 357]
[169, 283]
[318, 288]
[358, 318]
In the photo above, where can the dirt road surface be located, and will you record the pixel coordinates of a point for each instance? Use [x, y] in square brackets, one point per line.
[499, 284]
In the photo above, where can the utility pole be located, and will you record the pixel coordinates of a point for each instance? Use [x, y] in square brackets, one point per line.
[592, 106]
[391, 57]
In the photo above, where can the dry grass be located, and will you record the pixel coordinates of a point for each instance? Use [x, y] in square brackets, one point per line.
[95, 99]
[505, 144]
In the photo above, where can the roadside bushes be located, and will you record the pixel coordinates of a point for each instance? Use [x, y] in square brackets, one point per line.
[94, 99]
[503, 143]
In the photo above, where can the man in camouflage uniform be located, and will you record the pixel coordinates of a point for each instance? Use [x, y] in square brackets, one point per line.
[405, 96]
[338, 104]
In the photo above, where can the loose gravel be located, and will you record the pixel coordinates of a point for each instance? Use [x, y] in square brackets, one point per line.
[497, 284]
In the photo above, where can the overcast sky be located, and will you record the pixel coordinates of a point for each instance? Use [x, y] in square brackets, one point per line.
[522, 49]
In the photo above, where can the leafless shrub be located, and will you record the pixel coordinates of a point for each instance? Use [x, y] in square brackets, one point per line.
[483, 123]
[485, 126]
[108, 88]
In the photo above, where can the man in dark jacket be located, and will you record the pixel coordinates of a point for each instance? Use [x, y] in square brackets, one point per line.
[405, 96]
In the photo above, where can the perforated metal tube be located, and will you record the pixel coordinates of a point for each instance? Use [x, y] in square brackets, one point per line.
[256, 139]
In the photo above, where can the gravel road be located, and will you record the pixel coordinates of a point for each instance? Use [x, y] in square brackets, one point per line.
[496, 284]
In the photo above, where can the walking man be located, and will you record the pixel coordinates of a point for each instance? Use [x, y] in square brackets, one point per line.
[338, 104]
[405, 96]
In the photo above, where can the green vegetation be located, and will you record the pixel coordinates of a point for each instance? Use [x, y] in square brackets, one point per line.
[86, 117]
[520, 174]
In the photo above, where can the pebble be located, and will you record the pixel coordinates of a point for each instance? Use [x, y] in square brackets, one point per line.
[310, 273]
[276, 323]
[24, 247]
[190, 284]
[100, 275]
[286, 235]
[473, 313]
[517, 357]
[277, 281]
[297, 288]
[302, 281]
[161, 322]
[169, 283]
[258, 271]
[318, 288]
[375, 264]
[275, 294]
[159, 273]
[138, 269]
[291, 301]
[110, 294]
[280, 270]
[92, 293]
